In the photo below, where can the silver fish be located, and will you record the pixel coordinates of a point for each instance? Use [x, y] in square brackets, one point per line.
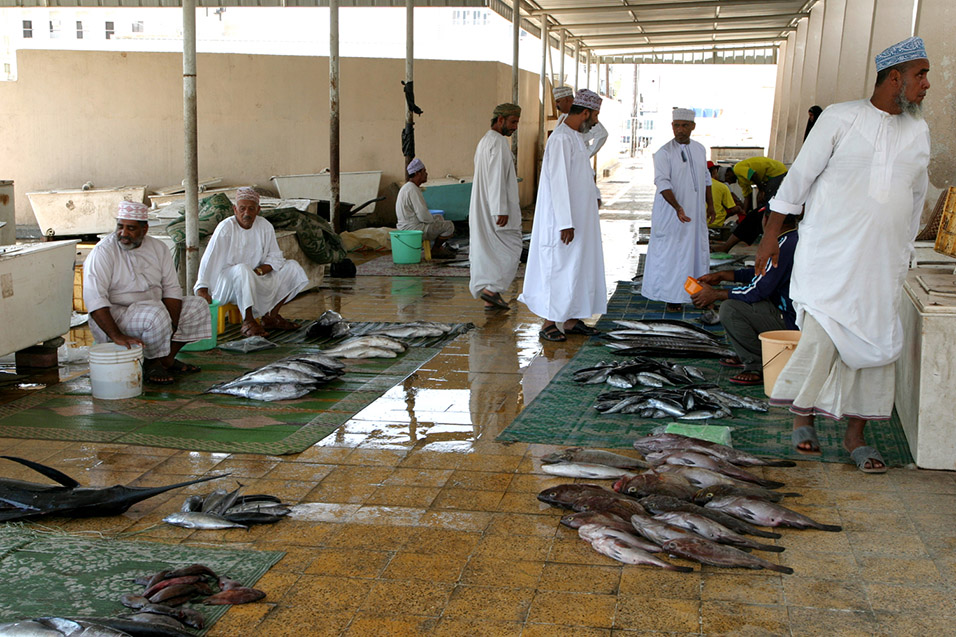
[266, 392]
[619, 381]
[382, 342]
[765, 513]
[212, 500]
[617, 550]
[659, 532]
[198, 520]
[596, 456]
[707, 528]
[314, 371]
[360, 350]
[591, 532]
[58, 627]
[664, 442]
[584, 470]
[444, 327]
[409, 330]
[317, 358]
[192, 503]
[270, 374]
[705, 461]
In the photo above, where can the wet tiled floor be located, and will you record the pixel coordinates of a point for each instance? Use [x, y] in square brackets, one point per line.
[412, 520]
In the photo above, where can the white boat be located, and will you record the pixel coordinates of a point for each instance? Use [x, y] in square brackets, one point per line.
[36, 281]
[80, 212]
[354, 187]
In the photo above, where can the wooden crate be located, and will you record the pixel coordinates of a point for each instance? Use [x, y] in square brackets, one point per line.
[946, 237]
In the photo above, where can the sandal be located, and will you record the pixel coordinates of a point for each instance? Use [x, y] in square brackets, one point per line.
[747, 378]
[806, 434]
[278, 323]
[672, 308]
[180, 367]
[581, 328]
[495, 300]
[552, 333]
[863, 454]
[158, 375]
[252, 329]
[731, 361]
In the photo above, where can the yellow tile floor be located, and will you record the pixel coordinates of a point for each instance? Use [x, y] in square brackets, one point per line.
[412, 520]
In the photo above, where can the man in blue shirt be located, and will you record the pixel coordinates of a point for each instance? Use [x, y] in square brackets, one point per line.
[762, 304]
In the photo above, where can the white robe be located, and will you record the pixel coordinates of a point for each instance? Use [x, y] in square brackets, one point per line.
[494, 251]
[595, 138]
[227, 265]
[412, 213]
[565, 281]
[678, 250]
[862, 174]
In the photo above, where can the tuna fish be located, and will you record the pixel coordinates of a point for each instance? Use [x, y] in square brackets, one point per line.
[766, 513]
[707, 552]
[266, 392]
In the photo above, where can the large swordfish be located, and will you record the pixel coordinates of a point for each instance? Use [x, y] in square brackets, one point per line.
[21, 500]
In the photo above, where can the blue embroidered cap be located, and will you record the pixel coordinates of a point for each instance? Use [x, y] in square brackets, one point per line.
[909, 49]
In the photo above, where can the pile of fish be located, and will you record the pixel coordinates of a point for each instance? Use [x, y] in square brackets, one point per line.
[329, 325]
[692, 403]
[640, 371]
[228, 510]
[686, 498]
[22, 500]
[414, 329]
[176, 587]
[88, 627]
[664, 337]
[369, 346]
[286, 379]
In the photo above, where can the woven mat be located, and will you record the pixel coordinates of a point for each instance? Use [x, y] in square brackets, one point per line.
[55, 574]
[563, 413]
[383, 266]
[181, 416]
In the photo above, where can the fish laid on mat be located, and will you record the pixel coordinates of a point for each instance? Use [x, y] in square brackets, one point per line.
[21, 500]
[668, 326]
[358, 347]
[267, 392]
[411, 330]
[766, 513]
[595, 456]
[584, 470]
[713, 554]
[677, 442]
[273, 374]
[316, 358]
[58, 627]
[329, 325]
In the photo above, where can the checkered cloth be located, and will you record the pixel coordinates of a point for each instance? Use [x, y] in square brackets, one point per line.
[149, 321]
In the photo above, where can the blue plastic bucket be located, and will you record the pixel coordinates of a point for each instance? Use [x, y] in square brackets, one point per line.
[406, 246]
[206, 343]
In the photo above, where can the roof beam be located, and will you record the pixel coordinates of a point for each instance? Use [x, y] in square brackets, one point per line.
[657, 6]
[654, 48]
[688, 32]
[677, 23]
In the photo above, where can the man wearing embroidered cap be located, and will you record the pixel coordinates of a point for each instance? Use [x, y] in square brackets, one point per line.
[413, 213]
[494, 213]
[564, 282]
[682, 208]
[563, 99]
[861, 177]
[132, 293]
[243, 265]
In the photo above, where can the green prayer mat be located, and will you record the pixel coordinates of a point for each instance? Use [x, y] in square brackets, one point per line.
[563, 413]
[181, 416]
[55, 574]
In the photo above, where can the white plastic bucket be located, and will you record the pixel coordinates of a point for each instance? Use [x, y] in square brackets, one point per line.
[776, 348]
[116, 372]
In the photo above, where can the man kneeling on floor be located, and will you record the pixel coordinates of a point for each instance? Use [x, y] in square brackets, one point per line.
[244, 266]
[413, 213]
[132, 293]
[762, 305]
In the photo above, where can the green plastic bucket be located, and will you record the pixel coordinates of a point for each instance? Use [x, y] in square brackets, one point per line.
[206, 343]
[406, 246]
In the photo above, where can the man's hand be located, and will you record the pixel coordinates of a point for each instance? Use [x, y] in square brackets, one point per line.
[713, 278]
[567, 235]
[501, 221]
[711, 215]
[682, 216]
[767, 251]
[203, 293]
[126, 341]
[706, 296]
[263, 269]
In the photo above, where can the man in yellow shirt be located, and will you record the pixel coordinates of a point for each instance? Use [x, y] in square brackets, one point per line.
[764, 173]
[724, 204]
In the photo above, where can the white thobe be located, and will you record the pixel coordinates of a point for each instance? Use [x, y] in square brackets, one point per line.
[678, 250]
[565, 281]
[595, 138]
[862, 174]
[227, 265]
[412, 213]
[494, 251]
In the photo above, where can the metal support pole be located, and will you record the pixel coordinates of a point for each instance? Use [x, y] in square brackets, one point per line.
[334, 114]
[577, 63]
[544, 84]
[607, 78]
[597, 74]
[409, 62]
[589, 70]
[191, 144]
[563, 41]
[515, 38]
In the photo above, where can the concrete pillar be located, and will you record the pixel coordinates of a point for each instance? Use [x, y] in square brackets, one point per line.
[830, 45]
[777, 102]
[892, 22]
[934, 24]
[808, 83]
[795, 112]
[785, 98]
[854, 53]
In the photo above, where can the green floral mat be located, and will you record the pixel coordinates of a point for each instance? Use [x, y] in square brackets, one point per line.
[55, 574]
[181, 416]
[563, 413]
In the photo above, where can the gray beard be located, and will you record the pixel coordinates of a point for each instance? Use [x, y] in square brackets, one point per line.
[910, 108]
[585, 127]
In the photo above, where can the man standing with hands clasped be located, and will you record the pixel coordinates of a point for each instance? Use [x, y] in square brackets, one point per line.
[565, 278]
[862, 178]
[683, 206]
